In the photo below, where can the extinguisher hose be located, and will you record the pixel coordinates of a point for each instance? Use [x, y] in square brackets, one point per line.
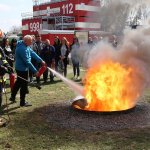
[34, 84]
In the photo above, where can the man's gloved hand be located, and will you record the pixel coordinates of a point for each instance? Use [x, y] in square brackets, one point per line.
[11, 59]
[43, 63]
[10, 70]
[36, 74]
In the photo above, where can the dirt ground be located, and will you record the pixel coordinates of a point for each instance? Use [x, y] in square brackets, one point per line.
[63, 115]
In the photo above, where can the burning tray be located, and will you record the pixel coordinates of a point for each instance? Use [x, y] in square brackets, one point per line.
[80, 103]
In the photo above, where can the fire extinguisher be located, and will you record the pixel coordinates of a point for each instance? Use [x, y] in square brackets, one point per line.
[12, 80]
[42, 70]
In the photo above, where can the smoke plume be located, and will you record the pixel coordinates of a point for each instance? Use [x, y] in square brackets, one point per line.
[134, 48]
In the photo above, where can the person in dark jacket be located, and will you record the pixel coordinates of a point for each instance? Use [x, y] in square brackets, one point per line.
[37, 46]
[57, 45]
[8, 52]
[13, 45]
[48, 55]
[90, 42]
[23, 56]
[4, 68]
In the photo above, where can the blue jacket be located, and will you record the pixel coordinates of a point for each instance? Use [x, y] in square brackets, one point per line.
[23, 55]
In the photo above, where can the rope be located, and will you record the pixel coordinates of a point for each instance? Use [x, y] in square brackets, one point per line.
[7, 111]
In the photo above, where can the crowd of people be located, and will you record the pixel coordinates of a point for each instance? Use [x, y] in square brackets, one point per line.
[30, 54]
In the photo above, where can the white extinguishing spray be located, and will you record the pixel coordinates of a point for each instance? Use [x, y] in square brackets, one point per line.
[78, 89]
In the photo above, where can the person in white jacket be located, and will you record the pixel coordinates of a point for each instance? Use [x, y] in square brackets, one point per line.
[75, 58]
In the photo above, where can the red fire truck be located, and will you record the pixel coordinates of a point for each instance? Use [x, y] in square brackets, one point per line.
[62, 18]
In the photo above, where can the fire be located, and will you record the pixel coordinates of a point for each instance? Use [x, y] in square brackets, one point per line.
[110, 86]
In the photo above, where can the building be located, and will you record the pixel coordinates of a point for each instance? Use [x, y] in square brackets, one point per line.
[61, 17]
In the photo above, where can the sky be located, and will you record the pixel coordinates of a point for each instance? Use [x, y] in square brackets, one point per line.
[10, 12]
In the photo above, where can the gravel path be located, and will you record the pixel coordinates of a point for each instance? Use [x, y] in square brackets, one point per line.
[63, 116]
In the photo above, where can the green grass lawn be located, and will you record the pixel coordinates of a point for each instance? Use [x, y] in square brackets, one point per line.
[29, 130]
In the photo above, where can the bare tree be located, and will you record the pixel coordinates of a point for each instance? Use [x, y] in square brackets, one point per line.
[138, 15]
[15, 29]
[115, 15]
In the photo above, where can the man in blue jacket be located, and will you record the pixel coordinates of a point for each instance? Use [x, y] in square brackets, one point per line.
[23, 56]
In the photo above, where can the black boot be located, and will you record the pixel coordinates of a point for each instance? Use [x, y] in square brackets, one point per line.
[12, 98]
[26, 104]
[23, 103]
[22, 100]
[38, 80]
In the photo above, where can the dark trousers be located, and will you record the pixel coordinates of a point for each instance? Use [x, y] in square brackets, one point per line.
[30, 75]
[56, 64]
[22, 85]
[45, 74]
[76, 69]
[1, 87]
[65, 66]
[37, 66]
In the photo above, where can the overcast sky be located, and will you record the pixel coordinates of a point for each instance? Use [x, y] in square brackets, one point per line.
[10, 12]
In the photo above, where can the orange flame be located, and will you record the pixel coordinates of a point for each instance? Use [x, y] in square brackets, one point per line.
[109, 87]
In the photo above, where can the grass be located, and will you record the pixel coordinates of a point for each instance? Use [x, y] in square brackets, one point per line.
[29, 130]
